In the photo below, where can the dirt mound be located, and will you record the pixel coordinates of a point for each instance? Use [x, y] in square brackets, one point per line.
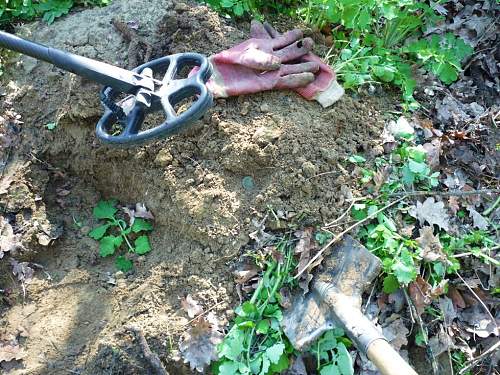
[204, 186]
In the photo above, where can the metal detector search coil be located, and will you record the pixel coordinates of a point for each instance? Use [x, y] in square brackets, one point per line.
[147, 95]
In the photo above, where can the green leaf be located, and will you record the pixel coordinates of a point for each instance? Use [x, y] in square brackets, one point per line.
[390, 284]
[329, 370]
[228, 368]
[344, 360]
[265, 366]
[263, 326]
[404, 268]
[141, 245]
[123, 264]
[98, 232]
[105, 209]
[238, 9]
[282, 364]
[416, 167]
[232, 346]
[108, 244]
[356, 159]
[141, 224]
[274, 352]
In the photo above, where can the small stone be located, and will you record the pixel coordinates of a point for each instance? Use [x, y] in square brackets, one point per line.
[190, 181]
[163, 158]
[309, 169]
[119, 275]
[265, 108]
[245, 108]
[85, 230]
[265, 135]
[180, 7]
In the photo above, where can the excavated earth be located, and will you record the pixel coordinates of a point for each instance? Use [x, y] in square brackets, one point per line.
[289, 152]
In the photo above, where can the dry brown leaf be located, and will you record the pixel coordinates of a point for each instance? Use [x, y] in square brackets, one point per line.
[396, 333]
[9, 241]
[433, 149]
[286, 297]
[381, 176]
[431, 212]
[473, 200]
[245, 275]
[199, 344]
[5, 184]
[9, 352]
[191, 306]
[22, 270]
[453, 204]
[419, 291]
[479, 221]
[142, 212]
[430, 245]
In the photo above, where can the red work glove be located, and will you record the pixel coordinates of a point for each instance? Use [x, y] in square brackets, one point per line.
[324, 89]
[257, 65]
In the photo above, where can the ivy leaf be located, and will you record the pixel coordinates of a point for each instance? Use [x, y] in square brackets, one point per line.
[344, 360]
[404, 268]
[142, 245]
[123, 264]
[228, 368]
[390, 284]
[330, 370]
[263, 326]
[140, 225]
[108, 244]
[105, 209]
[274, 352]
[356, 159]
[282, 364]
[98, 232]
[232, 345]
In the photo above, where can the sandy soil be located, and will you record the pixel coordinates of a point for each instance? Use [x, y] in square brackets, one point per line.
[293, 150]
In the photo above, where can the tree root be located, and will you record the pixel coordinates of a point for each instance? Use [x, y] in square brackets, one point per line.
[151, 357]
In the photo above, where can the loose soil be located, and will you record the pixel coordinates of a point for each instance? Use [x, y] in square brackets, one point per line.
[74, 310]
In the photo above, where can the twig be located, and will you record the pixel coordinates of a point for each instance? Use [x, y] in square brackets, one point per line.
[489, 210]
[151, 357]
[339, 236]
[487, 352]
[353, 202]
[446, 193]
[480, 301]
[415, 316]
[201, 314]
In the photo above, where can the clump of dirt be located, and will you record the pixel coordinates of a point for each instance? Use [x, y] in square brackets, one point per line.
[204, 186]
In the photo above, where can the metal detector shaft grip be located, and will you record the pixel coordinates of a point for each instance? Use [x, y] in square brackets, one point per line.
[120, 79]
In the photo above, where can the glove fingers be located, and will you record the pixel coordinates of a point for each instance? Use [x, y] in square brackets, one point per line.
[258, 30]
[295, 50]
[271, 30]
[286, 39]
[250, 58]
[311, 67]
[293, 81]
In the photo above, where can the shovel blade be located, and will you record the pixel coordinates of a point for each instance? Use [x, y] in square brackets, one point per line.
[336, 292]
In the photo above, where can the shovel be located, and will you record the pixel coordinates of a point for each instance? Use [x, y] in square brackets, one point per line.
[335, 301]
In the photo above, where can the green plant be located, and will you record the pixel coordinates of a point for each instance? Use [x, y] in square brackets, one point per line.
[332, 356]
[115, 231]
[256, 344]
[49, 10]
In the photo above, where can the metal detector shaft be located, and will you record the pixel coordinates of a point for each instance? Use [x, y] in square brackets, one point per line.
[108, 75]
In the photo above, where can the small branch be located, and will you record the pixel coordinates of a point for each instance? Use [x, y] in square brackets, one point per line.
[488, 211]
[415, 316]
[446, 193]
[480, 301]
[339, 236]
[201, 314]
[151, 357]
[330, 224]
[477, 359]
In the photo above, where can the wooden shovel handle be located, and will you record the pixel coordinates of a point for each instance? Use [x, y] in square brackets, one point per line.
[388, 360]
